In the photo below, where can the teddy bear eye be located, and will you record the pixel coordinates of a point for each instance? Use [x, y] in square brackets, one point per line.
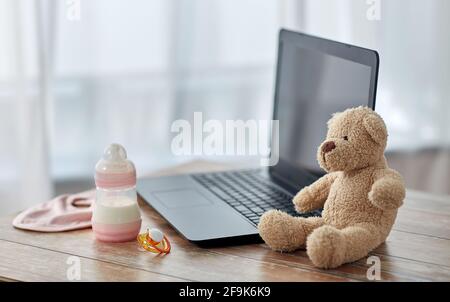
[345, 138]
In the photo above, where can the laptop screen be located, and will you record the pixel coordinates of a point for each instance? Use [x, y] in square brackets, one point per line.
[316, 78]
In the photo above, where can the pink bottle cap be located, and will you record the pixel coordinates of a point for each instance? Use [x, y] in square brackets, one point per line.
[114, 170]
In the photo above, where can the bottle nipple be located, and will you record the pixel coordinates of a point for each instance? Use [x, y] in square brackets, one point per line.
[115, 152]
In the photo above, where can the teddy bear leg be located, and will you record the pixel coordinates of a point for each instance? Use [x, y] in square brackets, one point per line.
[283, 232]
[329, 247]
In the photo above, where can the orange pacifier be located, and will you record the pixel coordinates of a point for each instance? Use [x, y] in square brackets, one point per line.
[154, 241]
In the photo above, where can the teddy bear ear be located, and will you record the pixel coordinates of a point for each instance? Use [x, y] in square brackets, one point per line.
[376, 128]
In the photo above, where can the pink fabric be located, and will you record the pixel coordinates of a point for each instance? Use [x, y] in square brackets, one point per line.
[63, 213]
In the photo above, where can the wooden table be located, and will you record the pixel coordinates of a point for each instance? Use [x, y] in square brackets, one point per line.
[418, 249]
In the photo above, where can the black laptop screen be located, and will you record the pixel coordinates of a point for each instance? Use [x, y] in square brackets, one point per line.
[311, 85]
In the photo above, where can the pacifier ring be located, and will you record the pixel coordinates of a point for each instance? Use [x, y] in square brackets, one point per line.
[147, 243]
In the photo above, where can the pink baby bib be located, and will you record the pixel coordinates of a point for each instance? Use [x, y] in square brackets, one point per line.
[63, 213]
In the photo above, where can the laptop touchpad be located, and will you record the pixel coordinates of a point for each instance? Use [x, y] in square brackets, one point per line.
[181, 198]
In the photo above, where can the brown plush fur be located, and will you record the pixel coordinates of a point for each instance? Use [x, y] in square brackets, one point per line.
[360, 195]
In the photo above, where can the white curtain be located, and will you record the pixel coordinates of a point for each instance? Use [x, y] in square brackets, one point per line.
[77, 75]
[24, 156]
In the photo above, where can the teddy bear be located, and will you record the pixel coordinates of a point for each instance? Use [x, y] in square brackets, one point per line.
[360, 196]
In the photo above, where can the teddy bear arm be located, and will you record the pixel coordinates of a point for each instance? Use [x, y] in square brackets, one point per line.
[388, 190]
[314, 196]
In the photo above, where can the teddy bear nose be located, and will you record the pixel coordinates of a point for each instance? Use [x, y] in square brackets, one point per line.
[329, 146]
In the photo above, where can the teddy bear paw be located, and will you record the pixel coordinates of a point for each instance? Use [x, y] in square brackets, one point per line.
[303, 201]
[326, 247]
[386, 195]
[280, 231]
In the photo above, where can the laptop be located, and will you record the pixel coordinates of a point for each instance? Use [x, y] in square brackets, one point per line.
[315, 77]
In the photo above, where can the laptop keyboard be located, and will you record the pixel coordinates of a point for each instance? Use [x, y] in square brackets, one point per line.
[249, 193]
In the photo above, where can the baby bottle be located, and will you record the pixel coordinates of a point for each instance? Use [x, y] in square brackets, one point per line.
[116, 216]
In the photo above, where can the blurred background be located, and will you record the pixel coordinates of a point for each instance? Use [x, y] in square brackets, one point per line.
[77, 75]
